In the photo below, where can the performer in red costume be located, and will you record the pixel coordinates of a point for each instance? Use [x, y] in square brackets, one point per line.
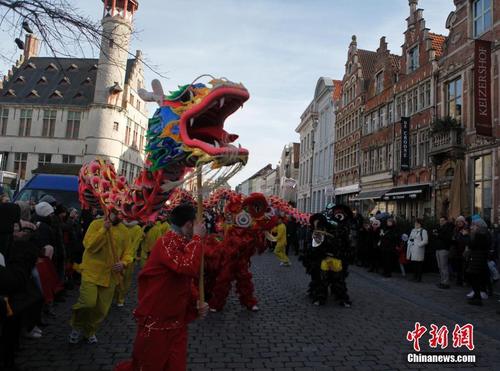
[243, 238]
[168, 299]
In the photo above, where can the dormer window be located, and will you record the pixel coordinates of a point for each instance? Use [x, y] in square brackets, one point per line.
[87, 81]
[72, 67]
[56, 94]
[42, 80]
[20, 79]
[379, 82]
[10, 93]
[78, 95]
[481, 14]
[30, 65]
[33, 94]
[51, 67]
[64, 81]
[93, 68]
[413, 59]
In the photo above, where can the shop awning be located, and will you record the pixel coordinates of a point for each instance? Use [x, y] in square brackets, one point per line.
[407, 192]
[371, 195]
[354, 188]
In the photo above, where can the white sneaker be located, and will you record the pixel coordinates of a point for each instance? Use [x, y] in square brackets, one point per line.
[92, 339]
[120, 305]
[255, 308]
[484, 295]
[470, 295]
[33, 335]
[75, 336]
[213, 310]
[37, 329]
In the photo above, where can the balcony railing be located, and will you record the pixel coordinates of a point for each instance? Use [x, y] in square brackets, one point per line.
[449, 141]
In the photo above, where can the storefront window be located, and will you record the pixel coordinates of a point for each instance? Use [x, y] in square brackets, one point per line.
[483, 186]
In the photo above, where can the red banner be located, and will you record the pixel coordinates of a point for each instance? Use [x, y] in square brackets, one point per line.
[482, 87]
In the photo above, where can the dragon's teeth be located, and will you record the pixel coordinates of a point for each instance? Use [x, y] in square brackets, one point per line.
[191, 122]
[221, 103]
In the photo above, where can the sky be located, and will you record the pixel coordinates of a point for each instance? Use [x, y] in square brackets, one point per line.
[277, 48]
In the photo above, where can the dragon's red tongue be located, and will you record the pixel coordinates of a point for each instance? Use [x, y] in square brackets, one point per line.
[213, 132]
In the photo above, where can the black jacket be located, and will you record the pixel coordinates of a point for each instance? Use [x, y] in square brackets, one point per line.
[443, 237]
[477, 262]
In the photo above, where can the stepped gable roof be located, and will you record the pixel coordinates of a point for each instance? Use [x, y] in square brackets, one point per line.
[337, 90]
[437, 42]
[368, 61]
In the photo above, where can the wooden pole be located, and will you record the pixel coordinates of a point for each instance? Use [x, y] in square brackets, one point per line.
[199, 217]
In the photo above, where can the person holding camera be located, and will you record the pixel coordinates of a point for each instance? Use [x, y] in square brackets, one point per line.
[416, 249]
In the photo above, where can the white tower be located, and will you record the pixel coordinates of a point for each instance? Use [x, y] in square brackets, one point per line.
[117, 29]
[102, 139]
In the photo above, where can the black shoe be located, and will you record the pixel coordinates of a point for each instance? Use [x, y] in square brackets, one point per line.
[477, 302]
[443, 286]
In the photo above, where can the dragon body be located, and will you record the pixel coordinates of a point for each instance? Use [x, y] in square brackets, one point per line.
[187, 131]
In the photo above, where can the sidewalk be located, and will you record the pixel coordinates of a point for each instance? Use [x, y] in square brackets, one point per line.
[451, 303]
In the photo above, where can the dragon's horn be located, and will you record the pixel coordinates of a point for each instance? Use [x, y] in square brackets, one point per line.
[153, 96]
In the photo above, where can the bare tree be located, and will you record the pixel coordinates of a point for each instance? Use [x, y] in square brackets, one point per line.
[64, 30]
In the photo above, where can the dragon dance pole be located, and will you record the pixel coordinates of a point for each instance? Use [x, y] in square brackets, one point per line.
[201, 284]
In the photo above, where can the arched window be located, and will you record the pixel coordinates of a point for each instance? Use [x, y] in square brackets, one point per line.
[450, 172]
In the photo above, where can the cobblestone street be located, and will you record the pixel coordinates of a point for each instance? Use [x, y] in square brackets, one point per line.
[289, 333]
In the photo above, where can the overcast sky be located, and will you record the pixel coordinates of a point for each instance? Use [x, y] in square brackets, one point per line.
[277, 48]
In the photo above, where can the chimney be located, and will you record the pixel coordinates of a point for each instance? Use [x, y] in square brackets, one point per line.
[31, 47]
[413, 6]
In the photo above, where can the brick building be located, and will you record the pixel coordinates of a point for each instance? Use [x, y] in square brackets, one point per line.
[466, 151]
[378, 132]
[414, 99]
[359, 69]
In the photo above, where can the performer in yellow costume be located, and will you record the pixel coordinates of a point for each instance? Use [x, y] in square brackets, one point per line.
[136, 236]
[280, 250]
[108, 251]
[150, 238]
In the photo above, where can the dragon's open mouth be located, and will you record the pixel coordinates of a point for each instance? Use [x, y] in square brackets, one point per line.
[203, 125]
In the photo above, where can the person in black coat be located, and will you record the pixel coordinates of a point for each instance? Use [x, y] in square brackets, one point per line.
[291, 236]
[18, 289]
[311, 258]
[477, 258]
[11, 214]
[389, 240]
[364, 244]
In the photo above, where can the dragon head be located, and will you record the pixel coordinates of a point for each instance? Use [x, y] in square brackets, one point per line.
[188, 128]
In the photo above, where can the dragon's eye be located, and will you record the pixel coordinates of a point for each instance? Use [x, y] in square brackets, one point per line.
[187, 96]
[243, 219]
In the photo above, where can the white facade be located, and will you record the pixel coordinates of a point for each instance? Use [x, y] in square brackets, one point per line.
[93, 111]
[317, 136]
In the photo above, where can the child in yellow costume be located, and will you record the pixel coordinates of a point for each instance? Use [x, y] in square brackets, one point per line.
[280, 250]
[108, 251]
[150, 238]
[136, 236]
